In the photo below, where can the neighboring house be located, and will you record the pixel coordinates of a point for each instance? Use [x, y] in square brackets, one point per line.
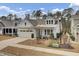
[75, 27]
[31, 28]
[8, 27]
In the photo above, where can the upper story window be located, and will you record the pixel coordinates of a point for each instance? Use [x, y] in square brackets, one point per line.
[47, 21]
[15, 24]
[25, 23]
[51, 21]
[56, 22]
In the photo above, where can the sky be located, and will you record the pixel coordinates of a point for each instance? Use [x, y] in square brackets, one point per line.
[22, 8]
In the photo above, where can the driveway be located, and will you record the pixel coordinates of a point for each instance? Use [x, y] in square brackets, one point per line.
[8, 42]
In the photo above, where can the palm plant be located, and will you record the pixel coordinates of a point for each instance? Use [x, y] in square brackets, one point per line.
[10, 16]
[38, 13]
[67, 13]
[3, 17]
[77, 12]
[44, 16]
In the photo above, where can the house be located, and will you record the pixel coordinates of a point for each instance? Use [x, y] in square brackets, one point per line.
[31, 28]
[8, 27]
[75, 27]
[41, 27]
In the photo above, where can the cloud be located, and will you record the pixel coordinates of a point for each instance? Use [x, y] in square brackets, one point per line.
[75, 6]
[4, 8]
[57, 9]
[20, 13]
[42, 8]
[20, 8]
[28, 10]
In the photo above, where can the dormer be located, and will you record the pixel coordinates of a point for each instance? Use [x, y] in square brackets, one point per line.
[50, 21]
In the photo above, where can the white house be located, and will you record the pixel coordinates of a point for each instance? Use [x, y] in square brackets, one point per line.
[75, 27]
[41, 27]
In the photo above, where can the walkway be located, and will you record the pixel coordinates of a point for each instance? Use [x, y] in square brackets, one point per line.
[55, 51]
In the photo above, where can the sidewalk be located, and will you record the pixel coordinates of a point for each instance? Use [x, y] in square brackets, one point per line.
[55, 51]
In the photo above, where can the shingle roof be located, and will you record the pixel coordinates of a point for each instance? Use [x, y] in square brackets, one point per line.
[37, 22]
[8, 23]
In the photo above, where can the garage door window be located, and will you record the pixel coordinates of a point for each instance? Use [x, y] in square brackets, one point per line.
[26, 31]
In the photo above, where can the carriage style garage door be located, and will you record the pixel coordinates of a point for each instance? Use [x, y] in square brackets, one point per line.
[26, 33]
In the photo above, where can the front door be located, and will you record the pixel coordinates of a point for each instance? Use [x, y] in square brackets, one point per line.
[32, 35]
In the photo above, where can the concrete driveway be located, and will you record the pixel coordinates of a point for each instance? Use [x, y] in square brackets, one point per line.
[12, 41]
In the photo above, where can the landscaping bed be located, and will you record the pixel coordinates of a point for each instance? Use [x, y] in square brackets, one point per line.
[38, 43]
[34, 43]
[25, 52]
[5, 37]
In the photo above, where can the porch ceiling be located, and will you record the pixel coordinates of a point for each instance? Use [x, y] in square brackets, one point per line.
[45, 26]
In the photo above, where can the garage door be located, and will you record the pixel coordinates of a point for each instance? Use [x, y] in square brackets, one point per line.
[25, 34]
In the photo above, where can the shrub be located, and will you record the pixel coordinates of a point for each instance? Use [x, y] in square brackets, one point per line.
[54, 44]
[59, 34]
[52, 35]
[72, 37]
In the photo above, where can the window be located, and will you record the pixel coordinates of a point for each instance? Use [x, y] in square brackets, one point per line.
[15, 30]
[45, 31]
[15, 24]
[7, 30]
[25, 23]
[77, 25]
[47, 21]
[51, 21]
[56, 22]
[20, 30]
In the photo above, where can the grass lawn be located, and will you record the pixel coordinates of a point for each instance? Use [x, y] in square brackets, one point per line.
[25, 52]
[34, 43]
[5, 37]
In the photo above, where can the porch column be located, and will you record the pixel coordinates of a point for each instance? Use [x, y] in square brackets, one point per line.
[8, 31]
[12, 31]
[46, 32]
[5, 30]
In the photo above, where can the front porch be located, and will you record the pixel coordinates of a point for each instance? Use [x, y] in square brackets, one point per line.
[9, 31]
[46, 33]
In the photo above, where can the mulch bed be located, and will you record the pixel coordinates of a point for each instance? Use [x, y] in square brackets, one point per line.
[40, 43]
[45, 45]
